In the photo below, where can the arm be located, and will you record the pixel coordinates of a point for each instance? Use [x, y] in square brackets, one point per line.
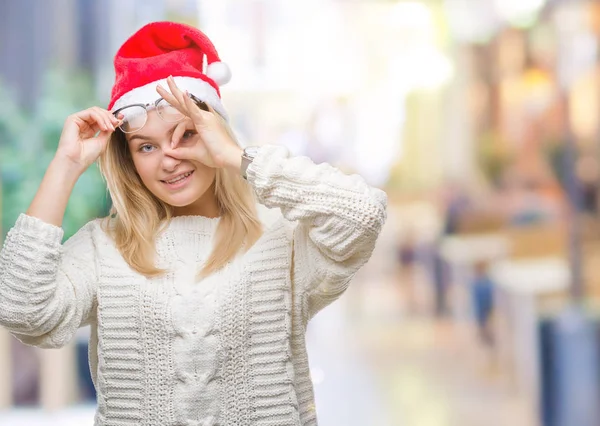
[47, 290]
[339, 219]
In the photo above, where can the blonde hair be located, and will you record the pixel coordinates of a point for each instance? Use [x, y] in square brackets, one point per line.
[136, 214]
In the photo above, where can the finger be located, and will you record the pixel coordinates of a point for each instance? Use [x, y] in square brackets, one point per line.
[114, 120]
[102, 121]
[83, 129]
[195, 112]
[94, 128]
[87, 123]
[106, 120]
[175, 90]
[103, 136]
[103, 117]
[182, 153]
[166, 95]
[120, 117]
[179, 95]
[172, 100]
[107, 117]
[177, 134]
[210, 108]
[91, 118]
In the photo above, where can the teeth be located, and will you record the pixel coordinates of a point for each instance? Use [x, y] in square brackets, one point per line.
[179, 178]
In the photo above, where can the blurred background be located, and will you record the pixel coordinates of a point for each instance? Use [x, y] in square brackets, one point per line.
[480, 119]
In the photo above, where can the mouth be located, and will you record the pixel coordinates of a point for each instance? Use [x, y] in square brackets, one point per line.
[178, 181]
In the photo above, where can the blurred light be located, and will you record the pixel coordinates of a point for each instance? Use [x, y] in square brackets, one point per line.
[410, 14]
[318, 376]
[416, 62]
[378, 133]
[539, 88]
[521, 13]
[577, 44]
[471, 20]
[421, 68]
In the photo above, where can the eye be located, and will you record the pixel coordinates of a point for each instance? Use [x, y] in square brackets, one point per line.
[188, 134]
[145, 148]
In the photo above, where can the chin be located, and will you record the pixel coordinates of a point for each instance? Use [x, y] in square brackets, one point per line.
[183, 199]
[186, 197]
[179, 202]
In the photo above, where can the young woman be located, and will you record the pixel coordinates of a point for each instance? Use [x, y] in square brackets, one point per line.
[198, 308]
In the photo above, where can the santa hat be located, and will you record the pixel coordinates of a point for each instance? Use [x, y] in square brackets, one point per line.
[159, 50]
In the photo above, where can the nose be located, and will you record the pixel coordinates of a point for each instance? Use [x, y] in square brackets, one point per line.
[169, 163]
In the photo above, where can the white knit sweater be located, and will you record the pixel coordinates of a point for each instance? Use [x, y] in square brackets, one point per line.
[228, 350]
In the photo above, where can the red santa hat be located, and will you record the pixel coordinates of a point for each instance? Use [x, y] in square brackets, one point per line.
[159, 50]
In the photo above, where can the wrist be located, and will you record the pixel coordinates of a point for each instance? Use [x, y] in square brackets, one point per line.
[248, 155]
[235, 160]
[68, 170]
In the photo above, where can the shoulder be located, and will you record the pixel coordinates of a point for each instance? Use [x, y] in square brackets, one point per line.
[273, 221]
[97, 225]
[94, 231]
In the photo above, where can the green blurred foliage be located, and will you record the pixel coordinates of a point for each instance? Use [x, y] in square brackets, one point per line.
[28, 141]
[493, 157]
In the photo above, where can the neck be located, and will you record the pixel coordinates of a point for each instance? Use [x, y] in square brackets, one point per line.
[206, 206]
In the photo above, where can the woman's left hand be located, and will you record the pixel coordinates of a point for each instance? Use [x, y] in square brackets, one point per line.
[215, 147]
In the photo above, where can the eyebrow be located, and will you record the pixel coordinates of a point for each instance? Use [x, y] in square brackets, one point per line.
[145, 138]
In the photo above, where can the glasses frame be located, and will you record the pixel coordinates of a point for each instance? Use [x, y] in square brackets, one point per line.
[200, 103]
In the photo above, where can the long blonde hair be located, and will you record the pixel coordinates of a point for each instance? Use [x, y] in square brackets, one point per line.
[136, 214]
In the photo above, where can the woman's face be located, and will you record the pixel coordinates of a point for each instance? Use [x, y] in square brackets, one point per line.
[183, 184]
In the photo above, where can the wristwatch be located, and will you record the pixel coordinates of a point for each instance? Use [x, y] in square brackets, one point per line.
[247, 157]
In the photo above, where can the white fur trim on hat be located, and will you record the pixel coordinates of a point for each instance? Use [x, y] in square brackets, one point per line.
[147, 94]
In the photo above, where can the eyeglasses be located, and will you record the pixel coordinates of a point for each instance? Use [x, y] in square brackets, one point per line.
[135, 116]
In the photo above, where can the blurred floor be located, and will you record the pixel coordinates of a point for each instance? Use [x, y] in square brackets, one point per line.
[377, 362]
[379, 358]
[422, 372]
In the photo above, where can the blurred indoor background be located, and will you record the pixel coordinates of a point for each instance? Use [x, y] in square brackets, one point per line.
[481, 120]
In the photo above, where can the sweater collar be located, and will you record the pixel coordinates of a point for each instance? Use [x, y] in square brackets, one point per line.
[195, 224]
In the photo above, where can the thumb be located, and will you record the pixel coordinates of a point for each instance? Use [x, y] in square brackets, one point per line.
[182, 152]
[101, 140]
[103, 136]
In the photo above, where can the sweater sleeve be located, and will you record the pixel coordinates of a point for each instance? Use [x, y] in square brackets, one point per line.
[339, 218]
[47, 290]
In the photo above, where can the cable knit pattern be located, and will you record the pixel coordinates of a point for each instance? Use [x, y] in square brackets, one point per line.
[228, 350]
[256, 360]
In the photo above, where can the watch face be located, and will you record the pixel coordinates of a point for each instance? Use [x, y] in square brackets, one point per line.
[251, 151]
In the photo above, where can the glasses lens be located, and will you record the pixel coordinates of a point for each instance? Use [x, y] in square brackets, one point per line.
[168, 112]
[134, 118]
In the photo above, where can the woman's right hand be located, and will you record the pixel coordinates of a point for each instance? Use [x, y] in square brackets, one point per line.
[85, 136]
